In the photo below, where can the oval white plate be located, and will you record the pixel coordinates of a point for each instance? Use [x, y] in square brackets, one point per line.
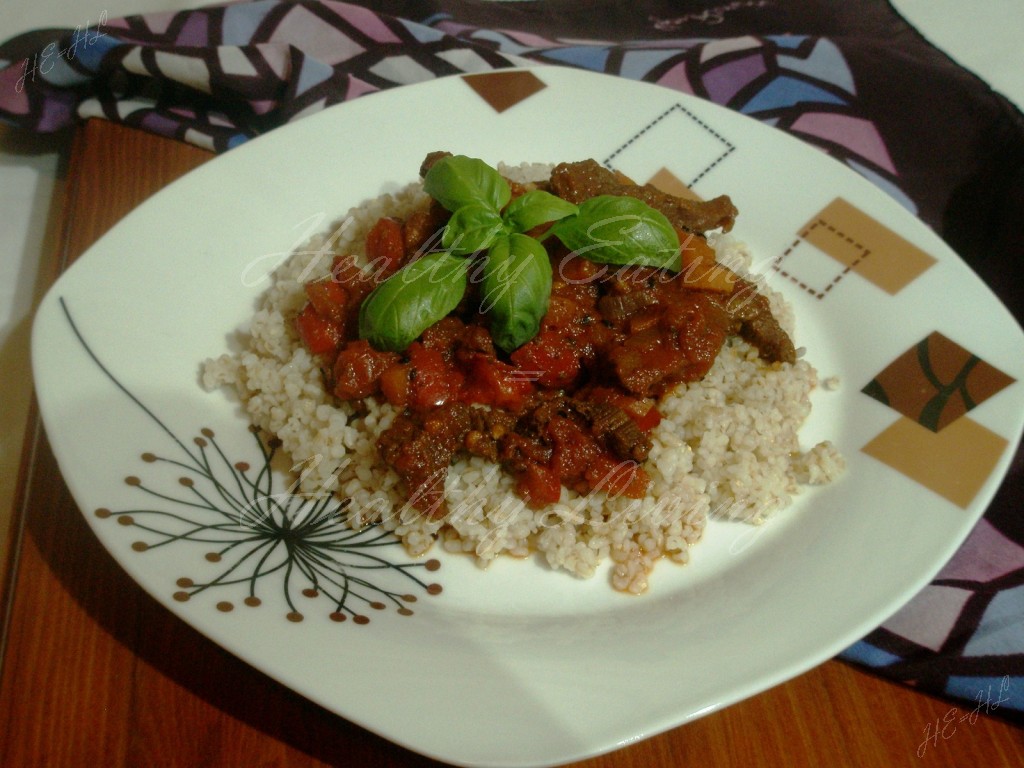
[517, 665]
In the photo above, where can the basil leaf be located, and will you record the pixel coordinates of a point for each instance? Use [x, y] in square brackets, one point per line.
[472, 228]
[457, 180]
[418, 295]
[516, 288]
[613, 229]
[536, 207]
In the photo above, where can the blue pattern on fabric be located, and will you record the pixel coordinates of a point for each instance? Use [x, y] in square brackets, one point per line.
[241, 21]
[825, 62]
[636, 64]
[869, 655]
[1004, 618]
[785, 91]
[582, 56]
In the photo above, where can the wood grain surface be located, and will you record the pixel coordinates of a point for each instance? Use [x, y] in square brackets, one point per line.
[95, 673]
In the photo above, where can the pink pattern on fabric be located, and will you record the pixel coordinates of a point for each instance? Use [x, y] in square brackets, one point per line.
[928, 619]
[119, 23]
[277, 57]
[677, 79]
[364, 20]
[313, 37]
[357, 88]
[453, 28]
[985, 556]
[723, 82]
[194, 32]
[263, 106]
[534, 41]
[856, 134]
[159, 22]
[11, 81]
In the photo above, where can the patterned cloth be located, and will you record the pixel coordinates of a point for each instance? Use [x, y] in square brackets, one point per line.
[852, 79]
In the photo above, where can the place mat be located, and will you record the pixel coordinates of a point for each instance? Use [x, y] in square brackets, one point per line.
[852, 79]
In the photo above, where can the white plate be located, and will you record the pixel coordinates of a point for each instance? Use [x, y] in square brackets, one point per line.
[516, 665]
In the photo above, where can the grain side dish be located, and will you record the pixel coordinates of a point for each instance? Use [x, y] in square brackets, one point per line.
[533, 360]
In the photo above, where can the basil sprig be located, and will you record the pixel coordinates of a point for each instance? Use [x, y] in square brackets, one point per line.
[616, 229]
[516, 271]
[516, 289]
[457, 180]
[535, 208]
[414, 298]
[472, 228]
[516, 284]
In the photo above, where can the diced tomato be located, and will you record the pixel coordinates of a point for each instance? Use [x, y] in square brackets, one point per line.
[562, 312]
[493, 382]
[538, 485]
[574, 449]
[431, 381]
[577, 270]
[358, 368]
[320, 335]
[443, 335]
[357, 280]
[394, 385]
[550, 358]
[423, 227]
[385, 246]
[645, 413]
[616, 477]
[643, 321]
[329, 298]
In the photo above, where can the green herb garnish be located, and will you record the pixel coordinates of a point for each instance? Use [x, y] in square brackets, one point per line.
[516, 289]
[414, 298]
[616, 229]
[516, 271]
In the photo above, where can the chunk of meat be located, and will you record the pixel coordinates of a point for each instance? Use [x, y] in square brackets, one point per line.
[611, 426]
[357, 370]
[420, 448]
[488, 427]
[617, 309]
[753, 320]
[580, 181]
[430, 159]
[423, 228]
[680, 346]
[616, 428]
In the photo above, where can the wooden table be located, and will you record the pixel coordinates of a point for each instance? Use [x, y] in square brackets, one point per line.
[95, 673]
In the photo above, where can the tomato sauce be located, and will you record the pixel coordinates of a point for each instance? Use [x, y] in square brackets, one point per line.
[573, 406]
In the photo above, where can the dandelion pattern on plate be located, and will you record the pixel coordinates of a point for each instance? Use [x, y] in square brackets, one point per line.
[260, 538]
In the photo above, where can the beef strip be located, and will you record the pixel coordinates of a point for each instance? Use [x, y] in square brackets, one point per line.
[618, 308]
[754, 322]
[582, 180]
[749, 310]
[430, 159]
[616, 429]
[608, 423]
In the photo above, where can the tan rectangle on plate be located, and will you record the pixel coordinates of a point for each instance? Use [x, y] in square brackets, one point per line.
[954, 463]
[866, 246]
[669, 183]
